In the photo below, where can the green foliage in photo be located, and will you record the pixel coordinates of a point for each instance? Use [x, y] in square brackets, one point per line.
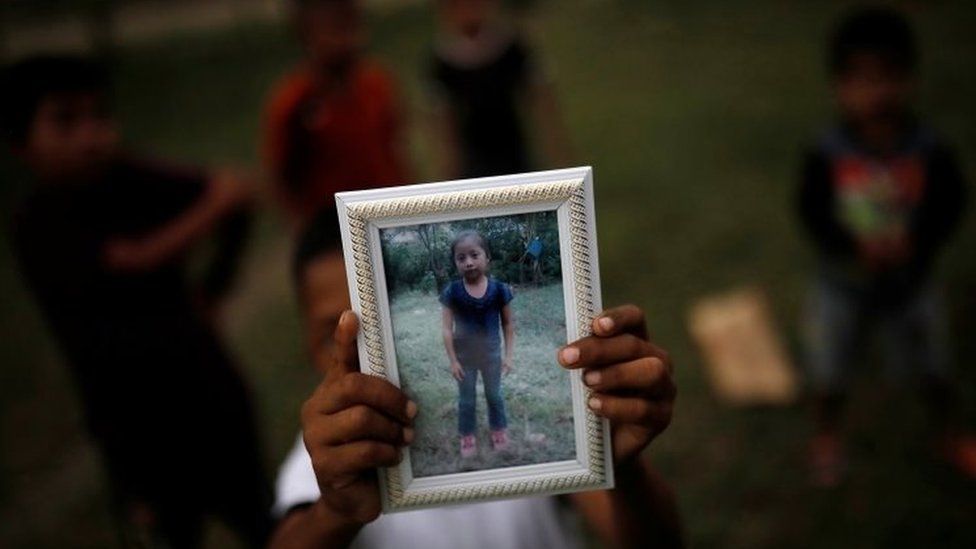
[524, 250]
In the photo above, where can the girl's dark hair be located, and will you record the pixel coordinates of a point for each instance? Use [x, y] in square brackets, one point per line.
[875, 30]
[464, 235]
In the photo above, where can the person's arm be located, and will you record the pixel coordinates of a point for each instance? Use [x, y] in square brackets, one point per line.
[943, 205]
[539, 100]
[397, 124]
[447, 333]
[641, 511]
[231, 238]
[223, 194]
[442, 121]
[352, 424]
[508, 327]
[444, 124]
[815, 206]
[316, 525]
[631, 384]
[285, 144]
[550, 129]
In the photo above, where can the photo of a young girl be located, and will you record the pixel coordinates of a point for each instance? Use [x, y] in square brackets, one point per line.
[477, 310]
[474, 306]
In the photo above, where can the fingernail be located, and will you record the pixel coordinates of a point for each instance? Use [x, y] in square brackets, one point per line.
[606, 323]
[342, 317]
[595, 403]
[408, 435]
[411, 409]
[569, 355]
[591, 378]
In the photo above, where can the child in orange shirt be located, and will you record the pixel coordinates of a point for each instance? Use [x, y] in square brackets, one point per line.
[334, 123]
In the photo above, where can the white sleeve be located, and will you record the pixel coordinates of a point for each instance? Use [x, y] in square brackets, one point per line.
[296, 484]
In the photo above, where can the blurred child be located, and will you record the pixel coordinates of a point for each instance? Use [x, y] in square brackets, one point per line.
[483, 76]
[334, 124]
[880, 195]
[101, 243]
[473, 308]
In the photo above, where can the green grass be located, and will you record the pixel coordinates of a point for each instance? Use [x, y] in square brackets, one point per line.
[537, 391]
[693, 114]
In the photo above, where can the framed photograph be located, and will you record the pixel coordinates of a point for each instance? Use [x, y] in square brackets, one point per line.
[465, 291]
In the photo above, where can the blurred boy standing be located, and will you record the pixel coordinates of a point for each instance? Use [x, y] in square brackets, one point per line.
[334, 124]
[491, 99]
[101, 242]
[880, 195]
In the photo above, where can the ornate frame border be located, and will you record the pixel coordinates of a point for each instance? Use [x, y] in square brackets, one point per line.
[569, 192]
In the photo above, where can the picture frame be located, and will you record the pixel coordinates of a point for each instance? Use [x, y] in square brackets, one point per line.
[566, 193]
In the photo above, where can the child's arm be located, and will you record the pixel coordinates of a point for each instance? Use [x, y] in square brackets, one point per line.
[508, 327]
[550, 130]
[815, 206]
[641, 511]
[447, 331]
[945, 201]
[445, 129]
[285, 144]
[223, 194]
[230, 241]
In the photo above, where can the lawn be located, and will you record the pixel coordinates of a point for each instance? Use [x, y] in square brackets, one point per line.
[693, 115]
[537, 391]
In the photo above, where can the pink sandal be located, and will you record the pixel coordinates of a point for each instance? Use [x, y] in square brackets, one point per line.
[469, 446]
[499, 440]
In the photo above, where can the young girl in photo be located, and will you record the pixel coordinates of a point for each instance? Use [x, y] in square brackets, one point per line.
[475, 310]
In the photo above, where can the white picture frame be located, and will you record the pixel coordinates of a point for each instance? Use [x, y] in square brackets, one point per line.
[569, 192]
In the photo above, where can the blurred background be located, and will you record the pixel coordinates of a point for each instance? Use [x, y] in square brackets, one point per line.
[693, 115]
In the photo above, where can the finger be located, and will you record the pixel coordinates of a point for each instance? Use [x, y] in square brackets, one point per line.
[635, 410]
[648, 375]
[619, 320]
[346, 356]
[361, 423]
[599, 352]
[312, 408]
[375, 392]
[341, 462]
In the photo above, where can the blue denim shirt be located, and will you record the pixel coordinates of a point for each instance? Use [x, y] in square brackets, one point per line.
[476, 320]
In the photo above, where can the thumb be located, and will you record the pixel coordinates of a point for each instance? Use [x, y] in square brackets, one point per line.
[346, 356]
